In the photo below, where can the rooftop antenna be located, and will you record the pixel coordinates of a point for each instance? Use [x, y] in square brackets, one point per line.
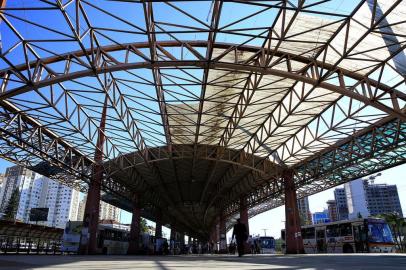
[373, 177]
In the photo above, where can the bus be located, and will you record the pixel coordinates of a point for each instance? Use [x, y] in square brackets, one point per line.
[348, 236]
[267, 244]
[111, 238]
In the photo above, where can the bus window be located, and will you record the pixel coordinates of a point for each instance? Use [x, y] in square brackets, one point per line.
[321, 240]
[119, 236]
[267, 242]
[320, 234]
[100, 239]
[308, 233]
[345, 229]
[332, 231]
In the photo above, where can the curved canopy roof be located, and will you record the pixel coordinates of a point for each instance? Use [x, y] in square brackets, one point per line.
[206, 101]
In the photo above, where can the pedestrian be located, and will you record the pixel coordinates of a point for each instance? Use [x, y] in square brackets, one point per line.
[258, 246]
[165, 247]
[251, 244]
[241, 235]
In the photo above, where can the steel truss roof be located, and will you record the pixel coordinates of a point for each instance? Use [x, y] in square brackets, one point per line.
[207, 101]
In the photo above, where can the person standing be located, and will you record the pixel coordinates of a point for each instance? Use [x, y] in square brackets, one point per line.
[241, 235]
[251, 244]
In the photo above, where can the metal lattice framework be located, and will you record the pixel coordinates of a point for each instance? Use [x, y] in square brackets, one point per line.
[207, 101]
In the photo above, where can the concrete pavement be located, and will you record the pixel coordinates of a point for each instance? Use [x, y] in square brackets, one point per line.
[206, 262]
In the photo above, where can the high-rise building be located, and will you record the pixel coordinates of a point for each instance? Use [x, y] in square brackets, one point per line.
[366, 199]
[382, 198]
[39, 191]
[1, 179]
[30, 197]
[304, 211]
[356, 200]
[62, 201]
[81, 210]
[106, 211]
[341, 203]
[332, 210]
[19, 178]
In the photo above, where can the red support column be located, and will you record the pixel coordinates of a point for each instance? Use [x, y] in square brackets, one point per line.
[214, 238]
[173, 233]
[133, 245]
[158, 224]
[3, 4]
[172, 239]
[293, 238]
[223, 235]
[244, 220]
[91, 216]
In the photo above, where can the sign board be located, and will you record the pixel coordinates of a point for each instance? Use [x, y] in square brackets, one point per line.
[39, 214]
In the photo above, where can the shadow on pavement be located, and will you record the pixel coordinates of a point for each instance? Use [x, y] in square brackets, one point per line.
[316, 262]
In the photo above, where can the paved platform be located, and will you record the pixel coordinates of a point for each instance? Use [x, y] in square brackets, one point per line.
[206, 262]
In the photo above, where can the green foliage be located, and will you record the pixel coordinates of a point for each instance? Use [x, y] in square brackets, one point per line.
[143, 225]
[11, 209]
[278, 245]
[398, 227]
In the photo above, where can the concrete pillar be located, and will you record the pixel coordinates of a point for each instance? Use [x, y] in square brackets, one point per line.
[158, 224]
[91, 215]
[223, 235]
[293, 237]
[244, 220]
[134, 243]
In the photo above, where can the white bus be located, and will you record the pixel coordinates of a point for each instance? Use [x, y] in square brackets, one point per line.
[111, 238]
[348, 236]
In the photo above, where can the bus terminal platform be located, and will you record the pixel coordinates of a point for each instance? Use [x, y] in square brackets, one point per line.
[257, 262]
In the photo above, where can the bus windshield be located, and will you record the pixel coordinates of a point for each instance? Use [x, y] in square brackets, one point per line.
[379, 233]
[267, 242]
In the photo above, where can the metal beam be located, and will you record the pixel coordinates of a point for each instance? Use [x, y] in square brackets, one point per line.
[374, 149]
[367, 98]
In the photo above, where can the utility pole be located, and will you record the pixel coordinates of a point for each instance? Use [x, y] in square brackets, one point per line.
[264, 231]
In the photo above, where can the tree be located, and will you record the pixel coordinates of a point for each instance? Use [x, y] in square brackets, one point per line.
[398, 227]
[11, 209]
[143, 225]
[278, 245]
